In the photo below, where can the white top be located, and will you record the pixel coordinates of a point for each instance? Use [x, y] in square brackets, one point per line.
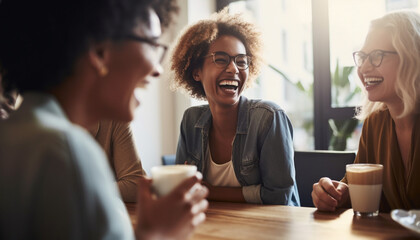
[222, 175]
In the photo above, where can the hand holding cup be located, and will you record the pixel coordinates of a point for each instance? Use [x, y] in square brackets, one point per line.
[173, 215]
[365, 185]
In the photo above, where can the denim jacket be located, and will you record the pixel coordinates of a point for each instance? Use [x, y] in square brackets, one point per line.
[262, 151]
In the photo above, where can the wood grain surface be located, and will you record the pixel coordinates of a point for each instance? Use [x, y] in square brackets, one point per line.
[249, 221]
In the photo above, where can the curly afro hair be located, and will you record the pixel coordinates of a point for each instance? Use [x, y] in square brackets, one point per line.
[194, 43]
[165, 9]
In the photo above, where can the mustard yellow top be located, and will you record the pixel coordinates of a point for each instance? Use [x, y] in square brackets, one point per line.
[378, 144]
[117, 141]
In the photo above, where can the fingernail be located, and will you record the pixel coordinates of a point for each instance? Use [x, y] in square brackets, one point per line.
[198, 219]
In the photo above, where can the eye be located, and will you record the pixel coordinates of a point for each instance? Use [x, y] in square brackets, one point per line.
[362, 55]
[242, 60]
[377, 54]
[220, 59]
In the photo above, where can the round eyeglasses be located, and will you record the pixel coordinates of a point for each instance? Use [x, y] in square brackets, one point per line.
[375, 57]
[159, 48]
[222, 60]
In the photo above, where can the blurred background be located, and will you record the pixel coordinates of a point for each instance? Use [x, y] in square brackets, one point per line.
[309, 70]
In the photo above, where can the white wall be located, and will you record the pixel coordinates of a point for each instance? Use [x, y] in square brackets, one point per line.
[156, 122]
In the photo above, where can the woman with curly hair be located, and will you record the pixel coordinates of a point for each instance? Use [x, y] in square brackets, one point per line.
[388, 66]
[244, 148]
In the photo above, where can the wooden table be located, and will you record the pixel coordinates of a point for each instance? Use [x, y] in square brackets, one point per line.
[248, 221]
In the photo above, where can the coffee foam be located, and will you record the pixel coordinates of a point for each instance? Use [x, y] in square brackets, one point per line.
[364, 174]
[166, 178]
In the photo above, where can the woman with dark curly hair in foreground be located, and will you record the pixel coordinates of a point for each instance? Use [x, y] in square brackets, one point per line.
[244, 148]
[78, 62]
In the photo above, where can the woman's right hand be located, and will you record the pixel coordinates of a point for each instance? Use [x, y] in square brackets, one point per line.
[174, 216]
[328, 195]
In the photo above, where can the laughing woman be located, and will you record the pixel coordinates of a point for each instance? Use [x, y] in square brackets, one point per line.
[243, 147]
[75, 70]
[388, 66]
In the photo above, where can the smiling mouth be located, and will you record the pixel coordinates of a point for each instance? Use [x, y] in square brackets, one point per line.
[371, 81]
[229, 84]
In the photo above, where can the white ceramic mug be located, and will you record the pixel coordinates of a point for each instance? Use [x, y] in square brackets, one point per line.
[168, 177]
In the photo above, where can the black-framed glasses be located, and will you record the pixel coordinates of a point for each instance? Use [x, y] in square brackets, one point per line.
[375, 57]
[160, 48]
[222, 59]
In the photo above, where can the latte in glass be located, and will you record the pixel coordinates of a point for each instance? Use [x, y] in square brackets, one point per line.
[365, 186]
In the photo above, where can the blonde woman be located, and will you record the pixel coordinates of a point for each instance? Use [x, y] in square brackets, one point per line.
[243, 147]
[388, 66]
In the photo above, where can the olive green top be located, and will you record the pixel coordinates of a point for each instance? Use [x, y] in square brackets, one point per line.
[116, 138]
[379, 144]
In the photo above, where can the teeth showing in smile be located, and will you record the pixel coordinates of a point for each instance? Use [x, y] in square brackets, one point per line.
[229, 84]
[369, 81]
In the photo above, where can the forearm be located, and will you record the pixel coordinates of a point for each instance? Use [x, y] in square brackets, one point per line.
[128, 188]
[225, 194]
[127, 177]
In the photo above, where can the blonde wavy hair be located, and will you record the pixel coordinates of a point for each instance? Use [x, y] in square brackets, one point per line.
[194, 43]
[404, 27]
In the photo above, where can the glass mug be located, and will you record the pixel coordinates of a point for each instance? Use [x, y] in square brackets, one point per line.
[365, 186]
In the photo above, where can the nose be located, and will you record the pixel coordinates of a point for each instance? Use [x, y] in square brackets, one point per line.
[157, 71]
[366, 65]
[232, 68]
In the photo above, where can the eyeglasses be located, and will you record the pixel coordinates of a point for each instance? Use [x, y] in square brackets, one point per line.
[375, 57]
[222, 60]
[160, 48]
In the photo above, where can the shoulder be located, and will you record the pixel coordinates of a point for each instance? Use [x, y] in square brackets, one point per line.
[197, 109]
[58, 137]
[73, 149]
[264, 104]
[380, 114]
[194, 113]
[261, 116]
[113, 127]
[73, 144]
[377, 122]
[378, 118]
[258, 106]
[52, 146]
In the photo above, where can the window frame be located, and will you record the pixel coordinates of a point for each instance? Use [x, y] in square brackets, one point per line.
[322, 77]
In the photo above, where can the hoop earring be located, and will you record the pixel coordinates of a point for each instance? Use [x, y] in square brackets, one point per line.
[103, 71]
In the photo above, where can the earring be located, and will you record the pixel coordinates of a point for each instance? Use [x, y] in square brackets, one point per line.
[103, 71]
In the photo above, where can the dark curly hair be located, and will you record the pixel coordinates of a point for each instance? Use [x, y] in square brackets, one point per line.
[194, 43]
[165, 9]
[41, 40]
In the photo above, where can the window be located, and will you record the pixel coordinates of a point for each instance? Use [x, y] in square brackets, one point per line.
[288, 78]
[310, 72]
[284, 45]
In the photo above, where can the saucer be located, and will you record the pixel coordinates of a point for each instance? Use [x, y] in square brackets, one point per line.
[408, 219]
